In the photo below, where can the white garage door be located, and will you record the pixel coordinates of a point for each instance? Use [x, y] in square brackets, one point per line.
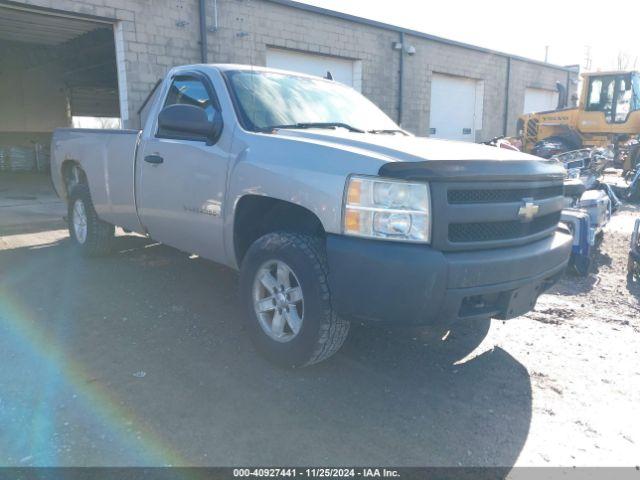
[539, 100]
[456, 107]
[342, 70]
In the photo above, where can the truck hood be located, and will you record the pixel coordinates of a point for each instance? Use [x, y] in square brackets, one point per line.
[413, 157]
[403, 148]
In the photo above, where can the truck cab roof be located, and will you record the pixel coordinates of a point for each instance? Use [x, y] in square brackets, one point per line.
[227, 67]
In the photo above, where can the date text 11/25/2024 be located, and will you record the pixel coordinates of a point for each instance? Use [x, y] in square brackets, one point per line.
[316, 473]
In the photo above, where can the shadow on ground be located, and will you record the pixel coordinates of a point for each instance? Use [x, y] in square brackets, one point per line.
[141, 358]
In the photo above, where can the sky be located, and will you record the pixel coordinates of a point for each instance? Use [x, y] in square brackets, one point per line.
[573, 30]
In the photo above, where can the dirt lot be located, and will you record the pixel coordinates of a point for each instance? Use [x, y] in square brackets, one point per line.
[141, 359]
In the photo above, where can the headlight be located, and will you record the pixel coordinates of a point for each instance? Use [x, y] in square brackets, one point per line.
[388, 209]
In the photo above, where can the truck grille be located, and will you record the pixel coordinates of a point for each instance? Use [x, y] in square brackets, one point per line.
[502, 195]
[492, 231]
[474, 215]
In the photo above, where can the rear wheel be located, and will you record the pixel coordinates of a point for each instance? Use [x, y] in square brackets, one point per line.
[284, 286]
[91, 235]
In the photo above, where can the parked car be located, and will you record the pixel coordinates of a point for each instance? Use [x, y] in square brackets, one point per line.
[331, 212]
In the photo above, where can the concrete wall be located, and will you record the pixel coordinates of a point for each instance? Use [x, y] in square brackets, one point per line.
[248, 27]
[432, 57]
[154, 35]
[526, 75]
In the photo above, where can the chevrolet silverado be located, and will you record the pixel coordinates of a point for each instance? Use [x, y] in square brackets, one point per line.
[330, 211]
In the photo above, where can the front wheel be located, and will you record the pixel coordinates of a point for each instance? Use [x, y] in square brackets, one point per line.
[284, 286]
[90, 234]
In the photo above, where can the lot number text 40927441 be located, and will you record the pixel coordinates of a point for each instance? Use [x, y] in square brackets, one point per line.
[315, 472]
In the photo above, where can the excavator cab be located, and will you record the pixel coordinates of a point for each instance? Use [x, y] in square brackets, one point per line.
[615, 95]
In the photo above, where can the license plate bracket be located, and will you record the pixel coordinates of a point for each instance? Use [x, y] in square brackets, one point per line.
[521, 300]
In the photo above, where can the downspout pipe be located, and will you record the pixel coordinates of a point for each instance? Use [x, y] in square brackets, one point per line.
[505, 124]
[204, 54]
[214, 28]
[401, 80]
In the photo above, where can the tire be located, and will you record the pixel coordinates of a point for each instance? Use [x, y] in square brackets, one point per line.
[320, 331]
[635, 157]
[96, 238]
[633, 269]
[580, 266]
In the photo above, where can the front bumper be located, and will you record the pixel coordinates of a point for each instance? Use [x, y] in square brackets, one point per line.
[383, 281]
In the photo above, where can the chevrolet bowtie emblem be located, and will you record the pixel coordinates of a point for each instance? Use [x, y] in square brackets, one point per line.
[528, 210]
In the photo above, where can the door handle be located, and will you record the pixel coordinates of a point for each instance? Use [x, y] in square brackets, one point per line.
[154, 159]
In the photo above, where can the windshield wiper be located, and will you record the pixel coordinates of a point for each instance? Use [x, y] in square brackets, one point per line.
[317, 125]
[389, 131]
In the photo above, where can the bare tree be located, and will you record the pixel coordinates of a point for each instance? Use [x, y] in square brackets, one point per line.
[587, 58]
[627, 61]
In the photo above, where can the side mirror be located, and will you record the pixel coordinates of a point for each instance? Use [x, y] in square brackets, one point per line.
[189, 122]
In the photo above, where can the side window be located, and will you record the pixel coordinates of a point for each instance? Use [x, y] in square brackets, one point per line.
[601, 91]
[189, 90]
[595, 91]
[623, 102]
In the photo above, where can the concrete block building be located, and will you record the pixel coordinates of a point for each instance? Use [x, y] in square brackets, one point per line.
[64, 59]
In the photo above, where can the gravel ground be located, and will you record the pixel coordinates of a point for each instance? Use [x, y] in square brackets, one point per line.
[582, 345]
[141, 359]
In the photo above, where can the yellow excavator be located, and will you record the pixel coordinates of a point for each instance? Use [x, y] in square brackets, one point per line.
[607, 116]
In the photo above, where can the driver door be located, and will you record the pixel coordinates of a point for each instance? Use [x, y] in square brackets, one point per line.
[181, 181]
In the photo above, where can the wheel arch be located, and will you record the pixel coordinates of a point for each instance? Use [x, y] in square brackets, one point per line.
[257, 215]
[68, 171]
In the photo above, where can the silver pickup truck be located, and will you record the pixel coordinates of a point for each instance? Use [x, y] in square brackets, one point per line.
[331, 212]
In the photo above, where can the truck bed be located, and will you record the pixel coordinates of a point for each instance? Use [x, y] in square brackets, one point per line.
[108, 158]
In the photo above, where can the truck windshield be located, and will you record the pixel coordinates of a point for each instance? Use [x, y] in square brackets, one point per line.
[268, 100]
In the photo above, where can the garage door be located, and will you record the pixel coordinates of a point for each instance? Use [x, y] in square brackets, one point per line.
[342, 70]
[456, 107]
[539, 100]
